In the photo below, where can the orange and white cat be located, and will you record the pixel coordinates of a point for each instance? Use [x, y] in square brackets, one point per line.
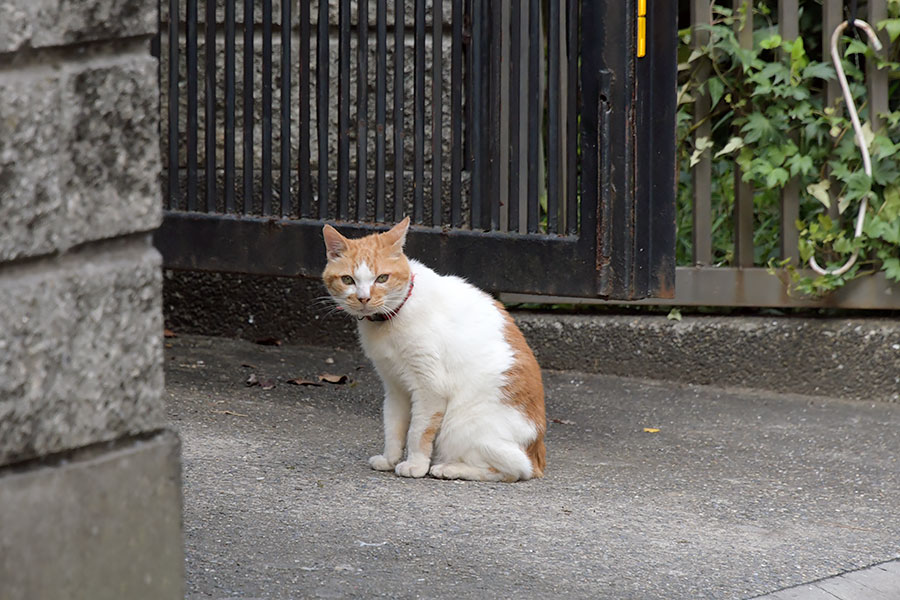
[462, 389]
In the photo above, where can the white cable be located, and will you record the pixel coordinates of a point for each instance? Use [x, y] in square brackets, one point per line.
[860, 140]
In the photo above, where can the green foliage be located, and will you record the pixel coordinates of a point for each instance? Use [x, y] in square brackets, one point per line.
[768, 117]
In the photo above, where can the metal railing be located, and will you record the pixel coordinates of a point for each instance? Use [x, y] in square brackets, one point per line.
[269, 110]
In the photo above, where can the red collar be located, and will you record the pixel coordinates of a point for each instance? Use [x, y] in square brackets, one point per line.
[387, 317]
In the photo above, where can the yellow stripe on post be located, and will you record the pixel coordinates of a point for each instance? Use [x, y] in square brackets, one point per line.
[641, 37]
[642, 8]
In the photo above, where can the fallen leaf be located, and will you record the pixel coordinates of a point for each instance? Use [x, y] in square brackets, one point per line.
[651, 430]
[329, 361]
[335, 379]
[299, 381]
[248, 365]
[252, 380]
[562, 421]
[674, 315]
[168, 333]
[267, 384]
[269, 341]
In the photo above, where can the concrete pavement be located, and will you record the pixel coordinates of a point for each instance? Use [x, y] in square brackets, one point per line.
[737, 494]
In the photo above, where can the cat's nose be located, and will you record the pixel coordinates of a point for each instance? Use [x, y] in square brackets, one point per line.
[363, 300]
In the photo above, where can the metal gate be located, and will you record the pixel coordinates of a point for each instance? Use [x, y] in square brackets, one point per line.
[538, 158]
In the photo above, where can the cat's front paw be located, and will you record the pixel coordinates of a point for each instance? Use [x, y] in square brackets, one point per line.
[382, 463]
[409, 468]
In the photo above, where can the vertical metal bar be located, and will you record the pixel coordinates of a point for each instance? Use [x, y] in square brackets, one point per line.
[173, 202]
[343, 174]
[701, 174]
[380, 101]
[534, 111]
[456, 117]
[210, 101]
[437, 39]
[229, 106]
[515, 76]
[322, 105]
[399, 48]
[362, 106]
[832, 16]
[249, 116]
[305, 187]
[267, 108]
[479, 71]
[467, 85]
[571, 137]
[877, 79]
[285, 167]
[491, 203]
[192, 124]
[743, 192]
[419, 116]
[789, 28]
[553, 158]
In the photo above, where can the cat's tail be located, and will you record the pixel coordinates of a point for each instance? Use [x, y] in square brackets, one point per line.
[509, 459]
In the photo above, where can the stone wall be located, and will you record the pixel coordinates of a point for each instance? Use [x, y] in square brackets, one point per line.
[89, 476]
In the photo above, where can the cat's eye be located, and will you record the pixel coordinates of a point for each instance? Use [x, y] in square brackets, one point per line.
[382, 278]
[347, 280]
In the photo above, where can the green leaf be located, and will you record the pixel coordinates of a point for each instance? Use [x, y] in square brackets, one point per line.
[701, 144]
[777, 178]
[716, 89]
[758, 128]
[891, 268]
[733, 144]
[843, 203]
[890, 209]
[800, 165]
[818, 70]
[892, 26]
[858, 185]
[819, 191]
[842, 245]
[771, 42]
[855, 47]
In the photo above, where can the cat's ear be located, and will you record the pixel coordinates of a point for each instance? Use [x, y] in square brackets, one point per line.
[335, 243]
[396, 237]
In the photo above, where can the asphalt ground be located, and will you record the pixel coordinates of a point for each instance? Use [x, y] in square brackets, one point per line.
[652, 491]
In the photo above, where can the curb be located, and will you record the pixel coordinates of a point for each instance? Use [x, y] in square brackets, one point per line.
[856, 359]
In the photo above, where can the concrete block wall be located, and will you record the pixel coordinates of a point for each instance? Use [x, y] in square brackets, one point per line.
[90, 480]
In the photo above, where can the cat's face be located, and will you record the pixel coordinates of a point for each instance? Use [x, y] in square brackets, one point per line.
[369, 275]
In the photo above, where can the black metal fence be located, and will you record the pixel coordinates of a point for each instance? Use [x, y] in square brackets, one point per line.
[504, 129]
[509, 62]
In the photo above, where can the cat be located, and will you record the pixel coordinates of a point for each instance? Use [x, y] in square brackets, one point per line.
[462, 389]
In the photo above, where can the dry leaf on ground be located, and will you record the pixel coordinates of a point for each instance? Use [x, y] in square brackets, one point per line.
[335, 379]
[168, 333]
[299, 381]
[269, 341]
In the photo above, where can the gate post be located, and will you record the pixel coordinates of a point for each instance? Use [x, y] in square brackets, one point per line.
[629, 143]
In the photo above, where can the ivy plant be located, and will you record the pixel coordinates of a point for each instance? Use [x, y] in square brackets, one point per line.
[768, 116]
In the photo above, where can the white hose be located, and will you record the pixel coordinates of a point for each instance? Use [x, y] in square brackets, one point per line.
[860, 140]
